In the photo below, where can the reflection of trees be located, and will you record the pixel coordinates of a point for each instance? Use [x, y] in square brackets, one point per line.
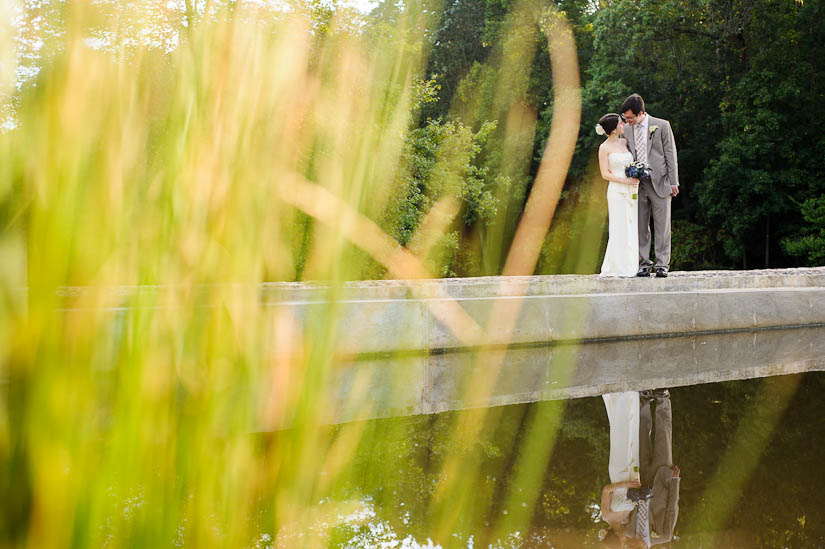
[401, 459]
[578, 470]
[779, 500]
[400, 462]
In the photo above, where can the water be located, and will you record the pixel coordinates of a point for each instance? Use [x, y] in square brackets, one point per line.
[751, 454]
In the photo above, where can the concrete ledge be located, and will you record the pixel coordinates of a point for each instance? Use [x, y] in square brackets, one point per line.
[390, 316]
[542, 285]
[573, 336]
[397, 316]
[643, 314]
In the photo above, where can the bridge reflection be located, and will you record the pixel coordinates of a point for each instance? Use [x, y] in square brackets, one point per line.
[406, 385]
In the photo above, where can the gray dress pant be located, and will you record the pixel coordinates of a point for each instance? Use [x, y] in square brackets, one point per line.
[654, 456]
[652, 203]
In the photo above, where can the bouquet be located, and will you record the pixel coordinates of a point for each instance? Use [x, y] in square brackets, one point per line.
[638, 170]
[638, 494]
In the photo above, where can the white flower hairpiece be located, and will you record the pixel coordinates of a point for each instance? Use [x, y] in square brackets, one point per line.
[600, 130]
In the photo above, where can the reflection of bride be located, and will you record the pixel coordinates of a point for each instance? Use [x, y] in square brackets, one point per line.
[616, 507]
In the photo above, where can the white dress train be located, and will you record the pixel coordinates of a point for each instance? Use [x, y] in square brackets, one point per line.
[623, 414]
[622, 255]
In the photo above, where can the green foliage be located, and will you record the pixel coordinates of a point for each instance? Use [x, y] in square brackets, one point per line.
[578, 235]
[812, 244]
[321, 13]
[764, 160]
[440, 159]
[425, 92]
[740, 84]
[458, 44]
[696, 249]
[187, 176]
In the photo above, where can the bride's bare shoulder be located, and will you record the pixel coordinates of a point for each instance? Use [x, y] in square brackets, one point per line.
[623, 144]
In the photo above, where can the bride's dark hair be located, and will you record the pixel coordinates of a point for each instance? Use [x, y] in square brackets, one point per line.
[609, 122]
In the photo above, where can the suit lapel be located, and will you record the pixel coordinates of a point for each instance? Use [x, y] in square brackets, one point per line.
[650, 123]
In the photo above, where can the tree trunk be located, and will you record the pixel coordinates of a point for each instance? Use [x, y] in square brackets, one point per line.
[190, 18]
[768, 242]
[814, 25]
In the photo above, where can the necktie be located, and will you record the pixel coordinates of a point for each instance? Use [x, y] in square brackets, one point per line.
[641, 145]
[643, 521]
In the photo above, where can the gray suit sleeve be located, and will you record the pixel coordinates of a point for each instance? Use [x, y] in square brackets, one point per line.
[671, 513]
[669, 150]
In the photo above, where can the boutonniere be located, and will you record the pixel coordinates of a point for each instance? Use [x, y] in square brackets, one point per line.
[653, 129]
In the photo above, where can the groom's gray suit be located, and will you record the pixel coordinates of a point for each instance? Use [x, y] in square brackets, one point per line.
[655, 197]
[656, 469]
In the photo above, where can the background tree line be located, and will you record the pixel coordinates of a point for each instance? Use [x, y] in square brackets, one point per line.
[740, 80]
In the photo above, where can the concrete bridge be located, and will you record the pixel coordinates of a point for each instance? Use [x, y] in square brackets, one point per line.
[427, 346]
[552, 337]
[392, 316]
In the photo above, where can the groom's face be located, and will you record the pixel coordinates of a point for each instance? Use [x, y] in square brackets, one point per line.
[631, 118]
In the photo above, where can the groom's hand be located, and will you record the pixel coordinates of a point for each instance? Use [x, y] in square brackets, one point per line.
[674, 190]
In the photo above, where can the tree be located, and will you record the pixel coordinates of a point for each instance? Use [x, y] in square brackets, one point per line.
[738, 81]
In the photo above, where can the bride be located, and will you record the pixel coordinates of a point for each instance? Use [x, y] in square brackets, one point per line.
[623, 468]
[622, 255]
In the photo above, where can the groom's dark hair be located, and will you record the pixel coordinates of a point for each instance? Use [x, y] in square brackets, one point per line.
[634, 104]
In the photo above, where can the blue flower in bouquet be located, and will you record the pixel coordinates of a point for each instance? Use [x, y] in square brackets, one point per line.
[638, 170]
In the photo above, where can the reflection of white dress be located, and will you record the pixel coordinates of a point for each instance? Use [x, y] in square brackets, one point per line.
[623, 413]
[622, 255]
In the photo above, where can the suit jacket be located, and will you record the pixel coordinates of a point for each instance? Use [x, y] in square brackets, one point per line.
[664, 505]
[661, 154]
[663, 508]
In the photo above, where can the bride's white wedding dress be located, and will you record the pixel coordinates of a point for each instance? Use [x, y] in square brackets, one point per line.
[622, 255]
[623, 414]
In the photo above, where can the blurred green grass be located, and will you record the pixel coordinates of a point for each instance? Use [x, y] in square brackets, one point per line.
[164, 186]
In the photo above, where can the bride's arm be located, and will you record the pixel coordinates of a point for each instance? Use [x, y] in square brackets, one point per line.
[607, 494]
[608, 175]
[608, 514]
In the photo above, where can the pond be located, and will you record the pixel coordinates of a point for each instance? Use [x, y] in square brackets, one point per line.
[501, 448]
[751, 453]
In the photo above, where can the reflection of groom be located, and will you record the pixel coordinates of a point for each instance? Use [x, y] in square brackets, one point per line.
[651, 141]
[656, 468]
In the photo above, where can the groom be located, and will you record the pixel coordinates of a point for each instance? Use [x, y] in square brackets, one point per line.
[654, 519]
[651, 141]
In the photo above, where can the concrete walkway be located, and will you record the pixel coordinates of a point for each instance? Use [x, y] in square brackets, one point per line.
[428, 346]
[570, 336]
[391, 316]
